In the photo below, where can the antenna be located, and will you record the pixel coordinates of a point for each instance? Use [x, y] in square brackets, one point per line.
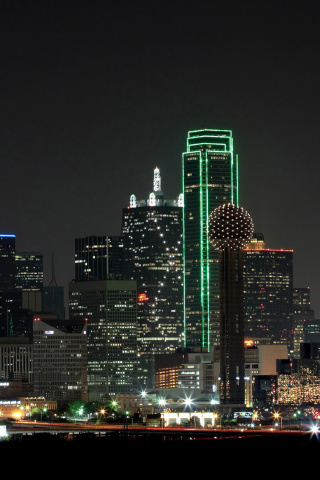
[53, 279]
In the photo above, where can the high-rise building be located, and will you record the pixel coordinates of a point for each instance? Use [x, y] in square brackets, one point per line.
[21, 276]
[60, 359]
[302, 313]
[7, 262]
[311, 331]
[210, 179]
[110, 310]
[268, 294]
[29, 271]
[98, 257]
[16, 360]
[152, 236]
[29, 279]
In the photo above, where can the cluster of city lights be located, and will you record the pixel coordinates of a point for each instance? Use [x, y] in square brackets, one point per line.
[230, 226]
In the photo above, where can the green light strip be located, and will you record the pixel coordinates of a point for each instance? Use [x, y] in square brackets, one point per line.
[201, 243]
[207, 259]
[184, 261]
[210, 143]
[225, 147]
[215, 130]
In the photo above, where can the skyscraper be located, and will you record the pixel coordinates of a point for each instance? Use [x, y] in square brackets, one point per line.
[302, 313]
[268, 297]
[7, 262]
[29, 271]
[110, 309]
[152, 236]
[98, 257]
[210, 179]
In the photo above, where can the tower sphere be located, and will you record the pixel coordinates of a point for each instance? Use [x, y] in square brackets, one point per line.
[230, 226]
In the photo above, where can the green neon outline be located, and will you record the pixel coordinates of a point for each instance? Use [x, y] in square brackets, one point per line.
[193, 141]
[184, 324]
[202, 284]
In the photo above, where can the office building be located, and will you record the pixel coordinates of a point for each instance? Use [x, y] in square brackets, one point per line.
[16, 360]
[29, 271]
[185, 370]
[7, 262]
[264, 391]
[311, 331]
[98, 257]
[60, 359]
[302, 313]
[152, 236]
[109, 308]
[21, 280]
[268, 294]
[29, 279]
[210, 179]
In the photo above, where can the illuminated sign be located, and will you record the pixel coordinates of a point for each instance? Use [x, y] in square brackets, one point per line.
[49, 332]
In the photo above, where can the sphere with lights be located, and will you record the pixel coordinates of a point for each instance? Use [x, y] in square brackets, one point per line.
[230, 226]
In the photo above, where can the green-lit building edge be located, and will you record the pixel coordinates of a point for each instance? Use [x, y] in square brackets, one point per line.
[198, 142]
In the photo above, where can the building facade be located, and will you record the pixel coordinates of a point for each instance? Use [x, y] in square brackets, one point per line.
[29, 271]
[210, 179]
[302, 315]
[16, 360]
[7, 262]
[98, 257]
[268, 294]
[60, 359]
[152, 236]
[109, 308]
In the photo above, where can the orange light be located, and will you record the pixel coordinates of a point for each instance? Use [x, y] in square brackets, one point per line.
[142, 297]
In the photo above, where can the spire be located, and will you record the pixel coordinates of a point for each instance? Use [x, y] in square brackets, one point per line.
[156, 180]
[53, 279]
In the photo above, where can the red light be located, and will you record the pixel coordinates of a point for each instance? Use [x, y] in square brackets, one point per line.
[142, 297]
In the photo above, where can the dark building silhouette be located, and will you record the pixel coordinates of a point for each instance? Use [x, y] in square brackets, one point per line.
[264, 391]
[53, 297]
[16, 306]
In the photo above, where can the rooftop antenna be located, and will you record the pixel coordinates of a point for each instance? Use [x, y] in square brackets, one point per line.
[53, 279]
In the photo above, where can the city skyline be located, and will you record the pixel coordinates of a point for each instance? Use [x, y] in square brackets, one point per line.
[93, 98]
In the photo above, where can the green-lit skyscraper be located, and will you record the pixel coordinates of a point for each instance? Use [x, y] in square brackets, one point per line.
[210, 179]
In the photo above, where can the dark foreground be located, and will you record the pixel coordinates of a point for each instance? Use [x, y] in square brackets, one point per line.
[146, 447]
[88, 456]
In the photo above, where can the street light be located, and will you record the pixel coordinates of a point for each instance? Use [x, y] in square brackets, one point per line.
[276, 416]
[188, 402]
[216, 417]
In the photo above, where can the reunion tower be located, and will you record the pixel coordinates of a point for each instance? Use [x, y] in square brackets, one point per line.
[230, 228]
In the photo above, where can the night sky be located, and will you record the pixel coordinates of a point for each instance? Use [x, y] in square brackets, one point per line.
[95, 94]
